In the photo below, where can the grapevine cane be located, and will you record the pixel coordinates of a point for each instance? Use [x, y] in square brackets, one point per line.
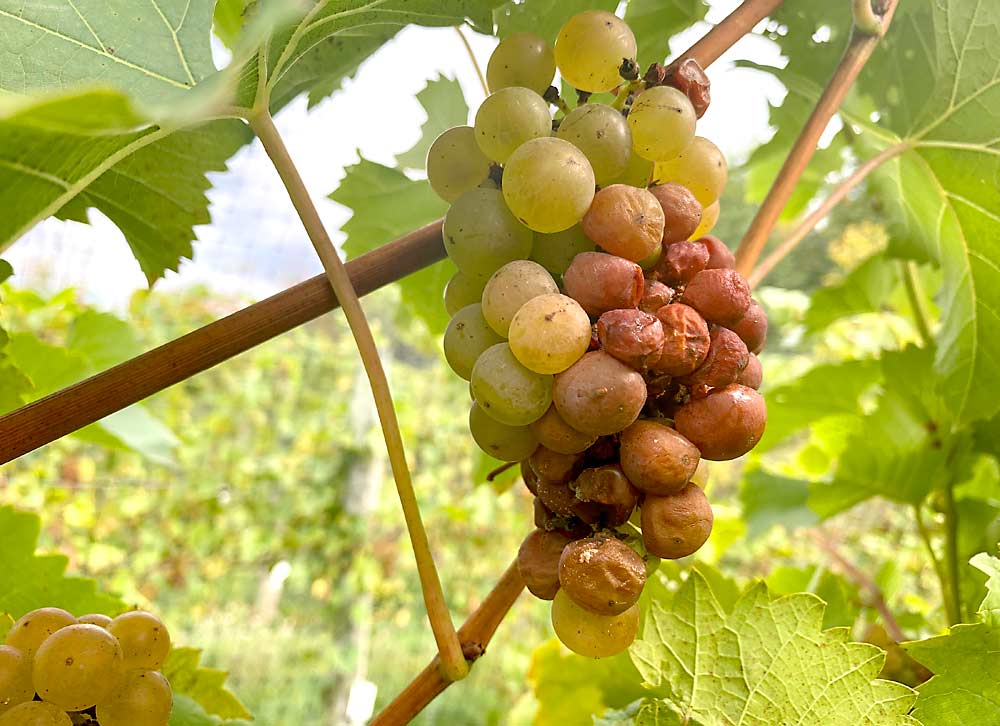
[453, 664]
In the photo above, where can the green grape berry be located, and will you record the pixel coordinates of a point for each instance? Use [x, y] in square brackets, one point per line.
[455, 163]
[548, 184]
[591, 47]
[521, 59]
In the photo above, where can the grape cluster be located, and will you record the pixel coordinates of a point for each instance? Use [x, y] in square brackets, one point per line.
[609, 343]
[58, 670]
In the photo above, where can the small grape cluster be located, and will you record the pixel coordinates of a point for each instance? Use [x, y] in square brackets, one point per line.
[609, 343]
[59, 670]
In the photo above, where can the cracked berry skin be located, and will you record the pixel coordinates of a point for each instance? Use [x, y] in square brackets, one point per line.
[632, 336]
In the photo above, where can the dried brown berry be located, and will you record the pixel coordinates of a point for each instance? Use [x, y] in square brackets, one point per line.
[725, 424]
[681, 211]
[609, 487]
[726, 359]
[685, 340]
[655, 296]
[656, 458]
[681, 261]
[555, 434]
[753, 375]
[538, 562]
[720, 257]
[753, 327]
[632, 336]
[599, 394]
[721, 296]
[689, 78]
[554, 467]
[602, 574]
[676, 525]
[601, 282]
[529, 477]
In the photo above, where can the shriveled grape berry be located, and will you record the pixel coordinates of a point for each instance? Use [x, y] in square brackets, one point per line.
[655, 296]
[753, 327]
[727, 358]
[720, 257]
[681, 261]
[609, 487]
[602, 574]
[681, 211]
[721, 296]
[555, 434]
[538, 561]
[632, 336]
[753, 375]
[599, 394]
[602, 282]
[725, 424]
[690, 79]
[553, 466]
[676, 525]
[625, 221]
[686, 340]
[656, 458]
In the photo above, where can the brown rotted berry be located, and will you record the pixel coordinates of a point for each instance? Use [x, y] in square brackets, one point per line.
[555, 434]
[681, 211]
[721, 296]
[601, 282]
[720, 257]
[554, 467]
[689, 78]
[655, 296]
[753, 375]
[681, 261]
[676, 525]
[727, 358]
[604, 449]
[753, 327]
[686, 340]
[609, 487]
[562, 501]
[599, 394]
[725, 424]
[657, 459]
[538, 562]
[529, 477]
[602, 574]
[626, 221]
[632, 336]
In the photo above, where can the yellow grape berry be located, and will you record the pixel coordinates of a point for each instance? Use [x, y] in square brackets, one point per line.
[77, 667]
[144, 639]
[548, 184]
[590, 49]
[589, 634]
[31, 630]
[35, 713]
[701, 167]
[144, 699]
[662, 122]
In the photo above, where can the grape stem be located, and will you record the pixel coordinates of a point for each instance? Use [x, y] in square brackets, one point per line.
[452, 661]
[950, 613]
[727, 32]
[475, 635]
[808, 223]
[475, 63]
[858, 52]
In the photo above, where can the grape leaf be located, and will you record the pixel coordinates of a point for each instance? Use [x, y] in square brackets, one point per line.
[204, 685]
[840, 596]
[767, 662]
[769, 500]
[654, 22]
[964, 689]
[444, 102]
[5, 270]
[865, 289]
[543, 17]
[29, 581]
[943, 105]
[387, 204]
[188, 712]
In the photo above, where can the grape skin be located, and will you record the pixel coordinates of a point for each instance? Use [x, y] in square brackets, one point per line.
[77, 667]
[589, 634]
[481, 235]
[506, 390]
[550, 333]
[638, 171]
[144, 639]
[144, 699]
[506, 443]
[521, 59]
[599, 394]
[31, 629]
[455, 164]
[662, 122]
[512, 286]
[603, 135]
[35, 713]
[465, 339]
[94, 619]
[462, 290]
[601, 282]
[700, 167]
[548, 184]
[508, 118]
[15, 678]
[590, 48]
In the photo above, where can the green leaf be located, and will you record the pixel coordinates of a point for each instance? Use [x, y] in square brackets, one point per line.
[29, 581]
[5, 270]
[839, 595]
[823, 391]
[62, 45]
[204, 685]
[6, 622]
[445, 105]
[768, 662]
[654, 22]
[543, 17]
[769, 500]
[964, 689]
[104, 339]
[228, 19]
[864, 290]
[82, 149]
[943, 102]
[387, 204]
[570, 689]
